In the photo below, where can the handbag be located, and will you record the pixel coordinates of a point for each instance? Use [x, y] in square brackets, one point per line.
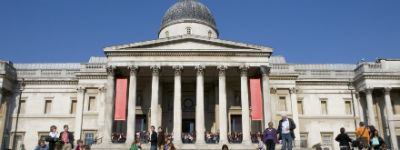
[375, 141]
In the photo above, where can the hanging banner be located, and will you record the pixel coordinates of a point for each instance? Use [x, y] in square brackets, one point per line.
[120, 98]
[256, 99]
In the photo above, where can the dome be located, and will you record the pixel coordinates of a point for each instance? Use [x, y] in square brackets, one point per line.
[188, 11]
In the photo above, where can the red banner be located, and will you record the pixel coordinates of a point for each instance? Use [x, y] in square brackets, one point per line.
[120, 99]
[256, 103]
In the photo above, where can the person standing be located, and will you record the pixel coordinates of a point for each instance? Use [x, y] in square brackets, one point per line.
[53, 137]
[376, 141]
[42, 146]
[270, 137]
[343, 139]
[153, 139]
[363, 136]
[285, 131]
[160, 138]
[67, 139]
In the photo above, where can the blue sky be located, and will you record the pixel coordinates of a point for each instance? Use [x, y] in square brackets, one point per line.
[304, 31]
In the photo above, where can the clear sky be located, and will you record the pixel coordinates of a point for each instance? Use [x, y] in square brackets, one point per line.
[304, 31]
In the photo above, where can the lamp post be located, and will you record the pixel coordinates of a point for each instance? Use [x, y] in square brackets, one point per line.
[21, 88]
[351, 88]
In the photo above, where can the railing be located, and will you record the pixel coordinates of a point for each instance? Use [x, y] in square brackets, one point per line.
[368, 67]
[93, 67]
[53, 73]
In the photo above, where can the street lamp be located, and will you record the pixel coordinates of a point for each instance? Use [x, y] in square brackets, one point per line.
[21, 87]
[351, 88]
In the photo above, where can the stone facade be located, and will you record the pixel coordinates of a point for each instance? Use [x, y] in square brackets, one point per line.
[187, 75]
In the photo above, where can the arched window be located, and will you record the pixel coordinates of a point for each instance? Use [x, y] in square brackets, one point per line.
[188, 30]
[209, 34]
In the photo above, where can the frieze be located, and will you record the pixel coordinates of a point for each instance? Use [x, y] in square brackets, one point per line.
[174, 53]
[49, 82]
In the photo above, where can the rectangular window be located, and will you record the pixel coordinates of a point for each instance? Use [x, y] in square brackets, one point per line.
[303, 140]
[22, 107]
[73, 106]
[43, 135]
[47, 107]
[326, 139]
[348, 107]
[92, 103]
[89, 137]
[282, 103]
[300, 107]
[324, 107]
[19, 139]
[396, 106]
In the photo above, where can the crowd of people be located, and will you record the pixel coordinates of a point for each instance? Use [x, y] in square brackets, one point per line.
[59, 141]
[367, 137]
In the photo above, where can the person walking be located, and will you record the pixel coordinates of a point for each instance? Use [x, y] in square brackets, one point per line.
[285, 131]
[376, 141]
[270, 137]
[362, 136]
[42, 146]
[153, 139]
[160, 138]
[67, 139]
[53, 137]
[343, 139]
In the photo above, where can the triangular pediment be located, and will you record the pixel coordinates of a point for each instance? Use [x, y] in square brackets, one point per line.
[188, 42]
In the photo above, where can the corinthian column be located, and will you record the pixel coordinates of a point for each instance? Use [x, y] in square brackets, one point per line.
[131, 120]
[265, 70]
[79, 112]
[245, 104]
[389, 112]
[295, 113]
[222, 105]
[370, 106]
[108, 114]
[177, 106]
[154, 95]
[200, 128]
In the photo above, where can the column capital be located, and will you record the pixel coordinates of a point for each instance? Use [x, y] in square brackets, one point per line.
[102, 89]
[243, 70]
[387, 90]
[133, 69]
[265, 69]
[222, 69]
[200, 69]
[273, 90]
[80, 89]
[110, 70]
[178, 69]
[156, 70]
[368, 90]
[293, 90]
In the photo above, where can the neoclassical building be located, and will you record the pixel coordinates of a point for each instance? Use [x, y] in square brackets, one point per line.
[190, 81]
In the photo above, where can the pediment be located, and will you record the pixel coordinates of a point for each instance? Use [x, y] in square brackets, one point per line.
[188, 42]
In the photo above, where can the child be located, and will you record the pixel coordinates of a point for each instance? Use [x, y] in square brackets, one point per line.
[260, 143]
[41, 146]
[80, 145]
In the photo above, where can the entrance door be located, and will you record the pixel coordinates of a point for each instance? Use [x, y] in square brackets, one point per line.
[141, 123]
[188, 125]
[236, 123]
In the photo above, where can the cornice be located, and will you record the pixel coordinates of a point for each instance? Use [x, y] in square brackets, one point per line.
[188, 53]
